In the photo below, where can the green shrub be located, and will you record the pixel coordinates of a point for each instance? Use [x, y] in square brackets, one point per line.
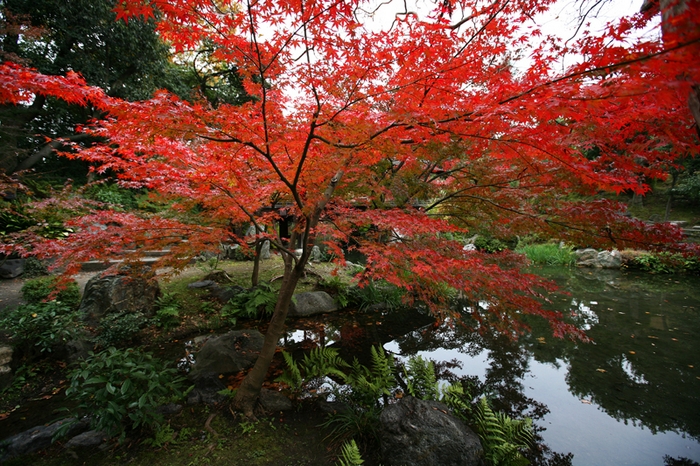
[119, 328]
[44, 325]
[121, 389]
[488, 244]
[548, 254]
[39, 289]
[375, 293]
[33, 268]
[168, 312]
[251, 303]
[665, 262]
[110, 193]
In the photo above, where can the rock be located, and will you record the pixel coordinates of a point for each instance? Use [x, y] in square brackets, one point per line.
[274, 401]
[37, 438]
[315, 254]
[170, 409]
[603, 259]
[78, 350]
[5, 369]
[207, 389]
[203, 284]
[224, 294]
[310, 303]
[265, 250]
[91, 438]
[610, 259]
[11, 268]
[414, 432]
[227, 354]
[118, 294]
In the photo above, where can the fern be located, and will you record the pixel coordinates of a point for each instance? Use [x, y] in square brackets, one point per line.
[503, 438]
[350, 455]
[292, 375]
[458, 400]
[320, 362]
[420, 379]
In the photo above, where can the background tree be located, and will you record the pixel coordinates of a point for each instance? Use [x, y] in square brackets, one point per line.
[392, 128]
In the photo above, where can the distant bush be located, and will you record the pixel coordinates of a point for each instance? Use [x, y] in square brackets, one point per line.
[548, 254]
[664, 262]
[39, 289]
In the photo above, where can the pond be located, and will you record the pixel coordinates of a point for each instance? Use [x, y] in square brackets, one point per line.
[629, 397]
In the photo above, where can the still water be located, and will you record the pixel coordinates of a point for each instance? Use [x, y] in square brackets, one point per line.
[630, 397]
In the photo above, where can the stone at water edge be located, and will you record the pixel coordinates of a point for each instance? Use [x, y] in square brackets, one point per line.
[11, 268]
[415, 432]
[310, 303]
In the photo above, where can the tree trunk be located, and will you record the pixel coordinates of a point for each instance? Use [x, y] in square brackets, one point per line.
[248, 393]
[255, 277]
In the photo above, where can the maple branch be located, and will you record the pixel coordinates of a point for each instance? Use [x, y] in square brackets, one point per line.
[598, 69]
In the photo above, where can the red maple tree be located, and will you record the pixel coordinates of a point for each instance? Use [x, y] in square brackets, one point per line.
[411, 128]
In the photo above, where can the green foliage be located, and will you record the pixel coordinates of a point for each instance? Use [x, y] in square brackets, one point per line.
[689, 188]
[168, 312]
[503, 438]
[488, 244]
[39, 289]
[350, 455]
[43, 325]
[33, 268]
[458, 400]
[121, 389]
[117, 197]
[666, 263]
[373, 293]
[318, 363]
[362, 393]
[164, 435]
[420, 379]
[548, 254]
[336, 287]
[251, 303]
[119, 329]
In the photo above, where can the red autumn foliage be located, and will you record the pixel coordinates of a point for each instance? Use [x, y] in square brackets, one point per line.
[415, 127]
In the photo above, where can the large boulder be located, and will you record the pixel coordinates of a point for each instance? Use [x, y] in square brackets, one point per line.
[118, 294]
[38, 438]
[599, 259]
[11, 268]
[415, 432]
[310, 303]
[230, 353]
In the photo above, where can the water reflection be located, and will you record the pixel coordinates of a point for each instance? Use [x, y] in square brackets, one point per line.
[629, 397]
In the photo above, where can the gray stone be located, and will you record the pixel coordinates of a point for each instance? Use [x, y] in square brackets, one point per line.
[202, 284]
[265, 250]
[311, 303]
[91, 438]
[118, 294]
[170, 409]
[415, 432]
[316, 254]
[207, 389]
[227, 354]
[274, 401]
[610, 259]
[11, 268]
[37, 438]
[224, 294]
[78, 350]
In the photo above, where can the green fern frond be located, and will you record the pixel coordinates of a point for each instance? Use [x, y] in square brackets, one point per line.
[503, 438]
[350, 455]
[292, 375]
[420, 379]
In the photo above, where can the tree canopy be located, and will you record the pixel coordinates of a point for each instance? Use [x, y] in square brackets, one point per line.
[410, 129]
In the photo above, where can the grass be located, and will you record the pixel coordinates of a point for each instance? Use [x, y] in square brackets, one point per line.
[548, 254]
